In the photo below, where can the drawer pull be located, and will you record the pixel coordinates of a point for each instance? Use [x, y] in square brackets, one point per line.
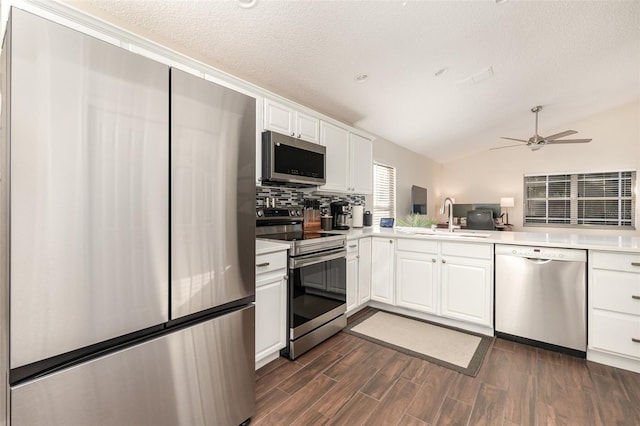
[353, 246]
[635, 263]
[633, 339]
[633, 296]
[262, 265]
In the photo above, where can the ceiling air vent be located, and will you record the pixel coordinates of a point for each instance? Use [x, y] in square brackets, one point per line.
[476, 78]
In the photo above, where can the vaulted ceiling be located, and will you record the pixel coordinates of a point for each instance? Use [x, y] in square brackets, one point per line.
[445, 78]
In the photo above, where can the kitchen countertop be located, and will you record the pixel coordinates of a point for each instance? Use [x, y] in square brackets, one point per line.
[542, 239]
[267, 246]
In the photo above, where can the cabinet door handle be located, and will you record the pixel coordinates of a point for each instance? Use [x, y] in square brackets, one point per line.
[299, 135]
[261, 265]
[633, 339]
[635, 263]
[635, 296]
[444, 261]
[293, 133]
[433, 260]
[358, 257]
[390, 241]
[353, 246]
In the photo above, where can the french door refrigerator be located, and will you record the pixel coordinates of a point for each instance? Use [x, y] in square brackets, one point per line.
[126, 237]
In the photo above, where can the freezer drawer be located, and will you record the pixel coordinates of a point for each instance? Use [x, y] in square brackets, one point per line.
[201, 375]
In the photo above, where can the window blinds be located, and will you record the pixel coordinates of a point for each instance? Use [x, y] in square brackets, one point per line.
[593, 199]
[384, 192]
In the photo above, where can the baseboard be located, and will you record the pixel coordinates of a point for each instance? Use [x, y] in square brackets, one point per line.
[614, 360]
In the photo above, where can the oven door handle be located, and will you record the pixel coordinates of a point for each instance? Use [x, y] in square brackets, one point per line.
[312, 259]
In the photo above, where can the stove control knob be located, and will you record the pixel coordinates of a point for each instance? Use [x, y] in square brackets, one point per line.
[298, 213]
[259, 213]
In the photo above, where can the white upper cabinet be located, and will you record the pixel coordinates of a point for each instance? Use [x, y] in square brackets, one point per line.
[287, 121]
[336, 140]
[361, 162]
[349, 160]
[307, 127]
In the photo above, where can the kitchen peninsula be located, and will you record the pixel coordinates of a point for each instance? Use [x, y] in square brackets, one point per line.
[398, 256]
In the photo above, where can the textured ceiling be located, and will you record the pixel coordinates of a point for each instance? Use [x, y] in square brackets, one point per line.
[576, 58]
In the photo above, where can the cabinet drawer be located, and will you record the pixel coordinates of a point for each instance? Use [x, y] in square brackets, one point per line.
[616, 291]
[614, 333]
[271, 262]
[479, 251]
[406, 244]
[352, 247]
[628, 262]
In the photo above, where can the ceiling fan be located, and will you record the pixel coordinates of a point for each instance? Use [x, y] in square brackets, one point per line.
[536, 141]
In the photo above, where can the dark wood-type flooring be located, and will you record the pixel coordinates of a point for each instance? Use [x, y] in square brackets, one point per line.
[350, 381]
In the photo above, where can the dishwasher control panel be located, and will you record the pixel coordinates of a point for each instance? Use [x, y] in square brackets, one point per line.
[534, 252]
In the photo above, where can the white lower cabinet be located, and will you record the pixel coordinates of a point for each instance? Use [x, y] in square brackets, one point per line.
[364, 271]
[382, 279]
[271, 306]
[467, 289]
[416, 279]
[614, 309]
[358, 273]
[446, 280]
[352, 275]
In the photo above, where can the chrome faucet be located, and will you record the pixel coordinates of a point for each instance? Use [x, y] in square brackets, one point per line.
[444, 206]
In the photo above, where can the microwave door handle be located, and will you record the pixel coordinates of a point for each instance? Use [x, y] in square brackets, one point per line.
[301, 262]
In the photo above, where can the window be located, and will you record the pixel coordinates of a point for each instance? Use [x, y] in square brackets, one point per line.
[582, 199]
[384, 192]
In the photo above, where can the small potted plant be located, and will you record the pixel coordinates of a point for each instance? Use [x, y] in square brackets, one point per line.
[414, 220]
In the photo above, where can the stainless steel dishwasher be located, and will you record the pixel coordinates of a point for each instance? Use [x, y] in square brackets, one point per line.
[540, 296]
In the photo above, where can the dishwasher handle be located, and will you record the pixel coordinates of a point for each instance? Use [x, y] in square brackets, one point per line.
[538, 261]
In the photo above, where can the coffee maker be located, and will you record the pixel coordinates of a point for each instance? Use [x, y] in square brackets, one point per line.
[340, 213]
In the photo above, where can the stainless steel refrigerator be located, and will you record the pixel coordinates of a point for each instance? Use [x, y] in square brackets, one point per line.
[127, 237]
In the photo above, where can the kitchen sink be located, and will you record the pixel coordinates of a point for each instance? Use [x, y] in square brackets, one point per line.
[442, 233]
[448, 234]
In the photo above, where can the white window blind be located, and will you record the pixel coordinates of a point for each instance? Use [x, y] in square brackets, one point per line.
[581, 199]
[384, 192]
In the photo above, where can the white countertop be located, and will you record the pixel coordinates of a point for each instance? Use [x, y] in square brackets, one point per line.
[267, 246]
[543, 239]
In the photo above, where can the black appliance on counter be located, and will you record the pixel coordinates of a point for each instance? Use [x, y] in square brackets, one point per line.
[480, 219]
[316, 289]
[367, 219]
[340, 211]
[293, 161]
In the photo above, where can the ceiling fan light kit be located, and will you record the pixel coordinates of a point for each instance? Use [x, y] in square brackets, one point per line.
[536, 141]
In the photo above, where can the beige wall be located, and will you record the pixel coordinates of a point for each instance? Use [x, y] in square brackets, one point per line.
[411, 169]
[489, 175]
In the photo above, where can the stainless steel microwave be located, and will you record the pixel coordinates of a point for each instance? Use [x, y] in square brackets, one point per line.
[290, 160]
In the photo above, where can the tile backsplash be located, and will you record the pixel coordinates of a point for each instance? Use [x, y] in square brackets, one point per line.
[294, 197]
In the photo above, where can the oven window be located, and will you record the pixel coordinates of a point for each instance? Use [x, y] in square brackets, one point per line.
[317, 289]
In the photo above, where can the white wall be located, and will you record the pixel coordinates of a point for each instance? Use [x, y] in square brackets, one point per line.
[411, 169]
[489, 175]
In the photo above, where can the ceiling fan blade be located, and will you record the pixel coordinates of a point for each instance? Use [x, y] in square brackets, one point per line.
[514, 139]
[569, 141]
[560, 135]
[508, 146]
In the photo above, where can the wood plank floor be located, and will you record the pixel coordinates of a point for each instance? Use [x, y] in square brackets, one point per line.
[350, 381]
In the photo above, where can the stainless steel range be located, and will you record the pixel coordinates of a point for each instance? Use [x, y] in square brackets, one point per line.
[316, 293]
